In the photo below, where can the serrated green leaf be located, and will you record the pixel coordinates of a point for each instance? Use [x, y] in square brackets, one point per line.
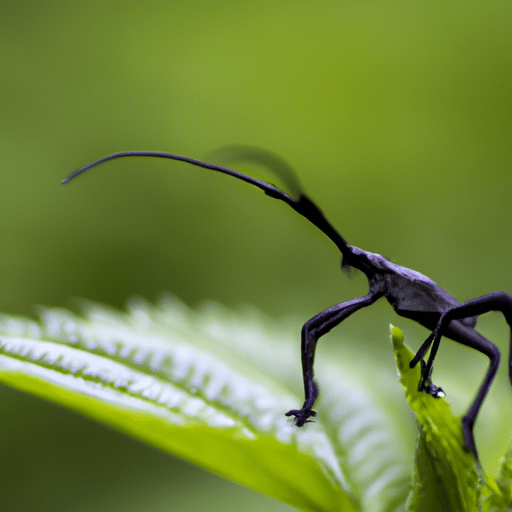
[446, 476]
[504, 483]
[212, 388]
[497, 494]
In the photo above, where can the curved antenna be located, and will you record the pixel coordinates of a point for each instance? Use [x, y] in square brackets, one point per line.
[302, 204]
[267, 187]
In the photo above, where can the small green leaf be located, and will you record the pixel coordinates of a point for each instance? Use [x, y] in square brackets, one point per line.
[497, 495]
[446, 476]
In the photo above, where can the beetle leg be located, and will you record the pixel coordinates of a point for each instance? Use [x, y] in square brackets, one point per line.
[312, 330]
[448, 326]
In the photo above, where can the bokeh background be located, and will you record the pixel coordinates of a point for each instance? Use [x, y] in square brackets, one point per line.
[397, 116]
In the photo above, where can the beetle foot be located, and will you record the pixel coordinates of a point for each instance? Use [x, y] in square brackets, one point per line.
[426, 383]
[469, 440]
[432, 390]
[301, 415]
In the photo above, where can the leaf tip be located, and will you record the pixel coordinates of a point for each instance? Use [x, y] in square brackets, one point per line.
[397, 336]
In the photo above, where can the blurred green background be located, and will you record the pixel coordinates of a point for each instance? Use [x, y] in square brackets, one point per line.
[396, 115]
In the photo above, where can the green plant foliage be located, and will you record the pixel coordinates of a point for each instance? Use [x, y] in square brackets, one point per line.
[497, 495]
[212, 387]
[446, 476]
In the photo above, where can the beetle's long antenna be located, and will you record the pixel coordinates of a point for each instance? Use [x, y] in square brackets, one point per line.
[302, 204]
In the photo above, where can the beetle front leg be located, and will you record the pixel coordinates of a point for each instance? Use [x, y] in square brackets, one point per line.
[312, 331]
[426, 383]
[309, 339]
